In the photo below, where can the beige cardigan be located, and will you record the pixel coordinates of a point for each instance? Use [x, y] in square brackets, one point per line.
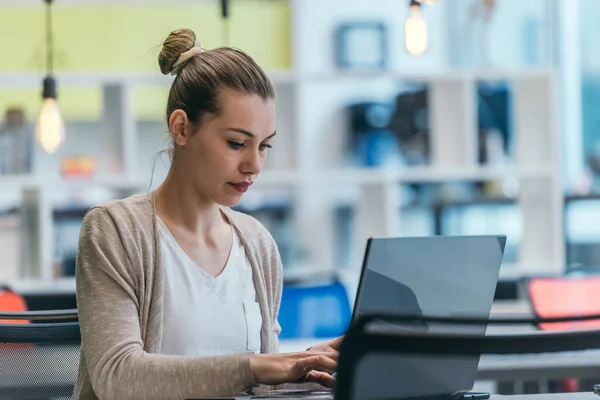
[120, 283]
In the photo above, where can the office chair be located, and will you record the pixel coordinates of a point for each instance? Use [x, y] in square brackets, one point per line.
[383, 334]
[39, 360]
[563, 297]
[577, 294]
[314, 311]
[11, 301]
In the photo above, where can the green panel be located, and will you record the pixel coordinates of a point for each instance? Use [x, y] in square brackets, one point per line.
[82, 104]
[128, 37]
[150, 102]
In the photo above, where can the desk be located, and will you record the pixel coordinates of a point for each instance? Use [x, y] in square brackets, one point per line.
[580, 364]
[548, 396]
[543, 396]
[491, 367]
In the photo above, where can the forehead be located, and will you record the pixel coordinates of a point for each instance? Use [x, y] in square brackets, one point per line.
[250, 112]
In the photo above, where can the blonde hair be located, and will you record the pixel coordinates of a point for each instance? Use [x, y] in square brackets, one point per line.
[203, 74]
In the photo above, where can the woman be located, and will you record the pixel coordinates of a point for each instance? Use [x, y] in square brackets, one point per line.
[178, 295]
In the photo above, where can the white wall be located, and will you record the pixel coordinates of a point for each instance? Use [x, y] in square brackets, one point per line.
[94, 139]
[323, 94]
[589, 14]
[504, 36]
[315, 22]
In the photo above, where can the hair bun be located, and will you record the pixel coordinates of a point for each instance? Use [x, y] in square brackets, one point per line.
[179, 41]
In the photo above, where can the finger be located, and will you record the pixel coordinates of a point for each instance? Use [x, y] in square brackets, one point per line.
[317, 363]
[321, 378]
[337, 342]
[334, 355]
[320, 363]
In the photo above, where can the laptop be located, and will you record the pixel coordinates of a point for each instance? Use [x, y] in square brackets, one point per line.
[438, 275]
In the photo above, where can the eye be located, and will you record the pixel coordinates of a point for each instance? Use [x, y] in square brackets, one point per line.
[235, 145]
[265, 146]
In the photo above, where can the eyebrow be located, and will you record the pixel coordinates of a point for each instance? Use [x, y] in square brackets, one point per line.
[248, 133]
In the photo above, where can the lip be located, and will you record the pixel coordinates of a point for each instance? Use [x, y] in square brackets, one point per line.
[241, 186]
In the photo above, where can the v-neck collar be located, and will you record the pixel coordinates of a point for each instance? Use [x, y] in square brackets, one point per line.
[211, 278]
[258, 276]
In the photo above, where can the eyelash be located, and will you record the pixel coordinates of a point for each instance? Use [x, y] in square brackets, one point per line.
[237, 146]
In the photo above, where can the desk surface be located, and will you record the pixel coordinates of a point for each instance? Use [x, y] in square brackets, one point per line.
[543, 396]
[585, 364]
[549, 396]
[580, 364]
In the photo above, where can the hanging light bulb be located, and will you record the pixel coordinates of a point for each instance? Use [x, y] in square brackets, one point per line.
[427, 2]
[50, 129]
[225, 19]
[415, 31]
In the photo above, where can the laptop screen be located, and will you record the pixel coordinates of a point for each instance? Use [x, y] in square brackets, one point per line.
[436, 276]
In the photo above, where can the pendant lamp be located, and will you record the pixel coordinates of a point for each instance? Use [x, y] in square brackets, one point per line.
[50, 129]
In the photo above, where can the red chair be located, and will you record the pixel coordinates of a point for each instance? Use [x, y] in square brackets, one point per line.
[12, 302]
[563, 297]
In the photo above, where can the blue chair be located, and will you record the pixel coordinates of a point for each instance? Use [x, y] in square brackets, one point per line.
[321, 311]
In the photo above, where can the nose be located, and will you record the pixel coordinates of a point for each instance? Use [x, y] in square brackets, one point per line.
[253, 162]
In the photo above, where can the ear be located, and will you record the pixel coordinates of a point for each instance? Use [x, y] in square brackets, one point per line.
[179, 127]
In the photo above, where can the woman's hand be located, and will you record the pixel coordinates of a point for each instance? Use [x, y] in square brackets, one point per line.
[331, 346]
[308, 366]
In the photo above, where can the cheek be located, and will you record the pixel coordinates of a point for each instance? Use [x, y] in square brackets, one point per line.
[216, 161]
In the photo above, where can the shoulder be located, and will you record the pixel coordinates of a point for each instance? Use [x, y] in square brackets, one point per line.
[259, 242]
[120, 232]
[251, 229]
[133, 212]
[126, 224]
[135, 204]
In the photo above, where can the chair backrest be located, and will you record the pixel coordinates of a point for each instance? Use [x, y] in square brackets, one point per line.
[317, 311]
[12, 302]
[39, 360]
[563, 297]
[378, 345]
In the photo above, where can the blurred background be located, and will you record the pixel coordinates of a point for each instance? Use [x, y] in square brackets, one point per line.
[394, 118]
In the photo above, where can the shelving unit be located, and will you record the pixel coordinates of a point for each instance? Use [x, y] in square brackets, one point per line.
[307, 160]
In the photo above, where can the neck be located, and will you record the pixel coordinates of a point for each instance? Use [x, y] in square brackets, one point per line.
[181, 205]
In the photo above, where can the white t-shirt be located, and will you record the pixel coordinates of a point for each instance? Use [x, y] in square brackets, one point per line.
[206, 315]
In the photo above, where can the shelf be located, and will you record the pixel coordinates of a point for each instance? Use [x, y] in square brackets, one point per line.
[41, 286]
[411, 175]
[283, 76]
[292, 178]
[278, 178]
[34, 79]
[291, 275]
[445, 174]
[57, 183]
[67, 285]
[510, 271]
[480, 74]
[432, 75]
[312, 179]
[305, 273]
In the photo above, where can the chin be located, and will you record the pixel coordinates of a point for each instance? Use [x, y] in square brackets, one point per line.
[229, 201]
